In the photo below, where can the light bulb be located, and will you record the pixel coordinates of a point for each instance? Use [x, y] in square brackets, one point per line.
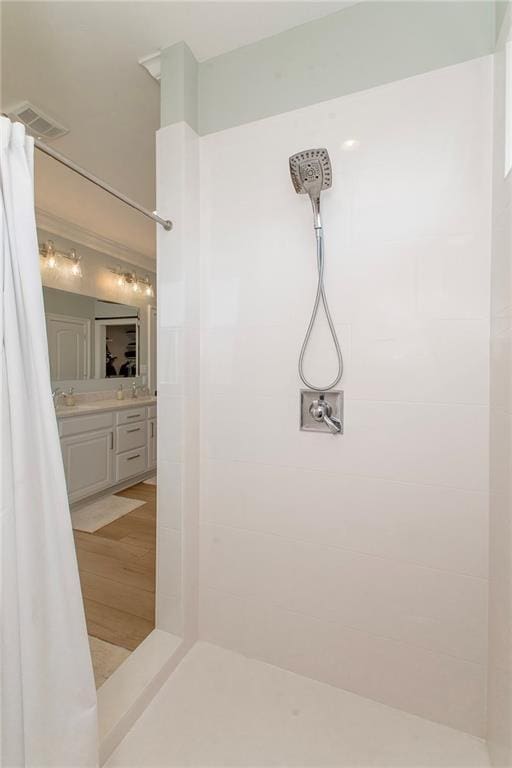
[135, 287]
[76, 269]
[51, 262]
[120, 280]
[149, 290]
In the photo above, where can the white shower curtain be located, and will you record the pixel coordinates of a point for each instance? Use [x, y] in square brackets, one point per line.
[47, 697]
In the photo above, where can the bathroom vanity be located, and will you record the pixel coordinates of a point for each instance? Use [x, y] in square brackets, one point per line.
[107, 443]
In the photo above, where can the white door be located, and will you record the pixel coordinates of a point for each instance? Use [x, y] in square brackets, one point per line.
[88, 463]
[68, 346]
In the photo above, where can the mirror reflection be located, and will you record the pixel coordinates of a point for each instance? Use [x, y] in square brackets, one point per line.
[89, 338]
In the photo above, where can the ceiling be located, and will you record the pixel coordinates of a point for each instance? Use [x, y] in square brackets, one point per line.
[78, 62]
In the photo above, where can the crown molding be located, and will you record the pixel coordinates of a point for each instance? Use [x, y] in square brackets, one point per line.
[64, 228]
[153, 64]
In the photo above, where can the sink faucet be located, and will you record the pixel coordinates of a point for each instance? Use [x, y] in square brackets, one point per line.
[55, 393]
[134, 389]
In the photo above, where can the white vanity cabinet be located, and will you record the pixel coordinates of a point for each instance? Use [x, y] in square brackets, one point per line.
[87, 444]
[102, 450]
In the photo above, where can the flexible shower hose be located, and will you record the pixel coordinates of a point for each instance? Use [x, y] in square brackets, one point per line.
[320, 296]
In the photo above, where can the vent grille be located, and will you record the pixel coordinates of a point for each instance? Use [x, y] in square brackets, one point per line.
[37, 123]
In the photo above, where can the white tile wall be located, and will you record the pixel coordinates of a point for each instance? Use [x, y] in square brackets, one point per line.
[427, 443]
[267, 363]
[434, 685]
[358, 560]
[178, 381]
[366, 515]
[499, 693]
[429, 608]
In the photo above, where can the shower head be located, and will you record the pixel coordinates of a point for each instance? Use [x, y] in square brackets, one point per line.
[311, 173]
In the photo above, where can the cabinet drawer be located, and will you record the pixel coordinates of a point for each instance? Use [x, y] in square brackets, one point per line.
[130, 436]
[130, 415]
[75, 425]
[130, 463]
[151, 411]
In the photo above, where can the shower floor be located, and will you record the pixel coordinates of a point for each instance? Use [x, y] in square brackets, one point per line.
[222, 709]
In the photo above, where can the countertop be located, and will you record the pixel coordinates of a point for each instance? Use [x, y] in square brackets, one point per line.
[97, 406]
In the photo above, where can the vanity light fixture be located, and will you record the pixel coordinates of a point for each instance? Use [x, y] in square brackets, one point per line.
[47, 251]
[55, 259]
[133, 282]
[76, 267]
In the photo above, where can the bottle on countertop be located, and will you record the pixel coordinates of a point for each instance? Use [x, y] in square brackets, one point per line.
[69, 397]
[120, 393]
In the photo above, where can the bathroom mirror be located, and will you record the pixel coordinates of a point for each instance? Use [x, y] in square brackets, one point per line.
[89, 338]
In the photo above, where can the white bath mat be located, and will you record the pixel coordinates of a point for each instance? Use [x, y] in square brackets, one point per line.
[150, 481]
[99, 513]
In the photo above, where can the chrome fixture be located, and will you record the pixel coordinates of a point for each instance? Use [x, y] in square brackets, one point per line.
[42, 147]
[139, 388]
[53, 259]
[67, 163]
[321, 412]
[311, 173]
[55, 394]
[131, 280]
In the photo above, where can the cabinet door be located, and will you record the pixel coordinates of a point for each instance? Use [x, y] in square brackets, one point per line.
[88, 463]
[151, 443]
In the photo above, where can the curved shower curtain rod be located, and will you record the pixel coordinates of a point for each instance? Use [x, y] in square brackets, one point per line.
[42, 147]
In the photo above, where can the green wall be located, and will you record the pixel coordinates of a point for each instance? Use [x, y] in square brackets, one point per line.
[500, 11]
[180, 74]
[362, 46]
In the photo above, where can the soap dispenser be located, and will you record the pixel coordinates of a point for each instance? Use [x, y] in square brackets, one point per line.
[69, 397]
[120, 393]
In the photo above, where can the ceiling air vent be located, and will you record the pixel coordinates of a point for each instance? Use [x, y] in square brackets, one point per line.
[36, 122]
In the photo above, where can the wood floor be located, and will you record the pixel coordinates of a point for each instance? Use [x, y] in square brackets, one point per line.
[117, 573]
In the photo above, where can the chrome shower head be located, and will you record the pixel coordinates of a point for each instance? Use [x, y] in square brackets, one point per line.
[311, 173]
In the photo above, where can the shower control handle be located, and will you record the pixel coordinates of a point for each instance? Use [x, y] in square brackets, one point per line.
[320, 410]
[333, 424]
